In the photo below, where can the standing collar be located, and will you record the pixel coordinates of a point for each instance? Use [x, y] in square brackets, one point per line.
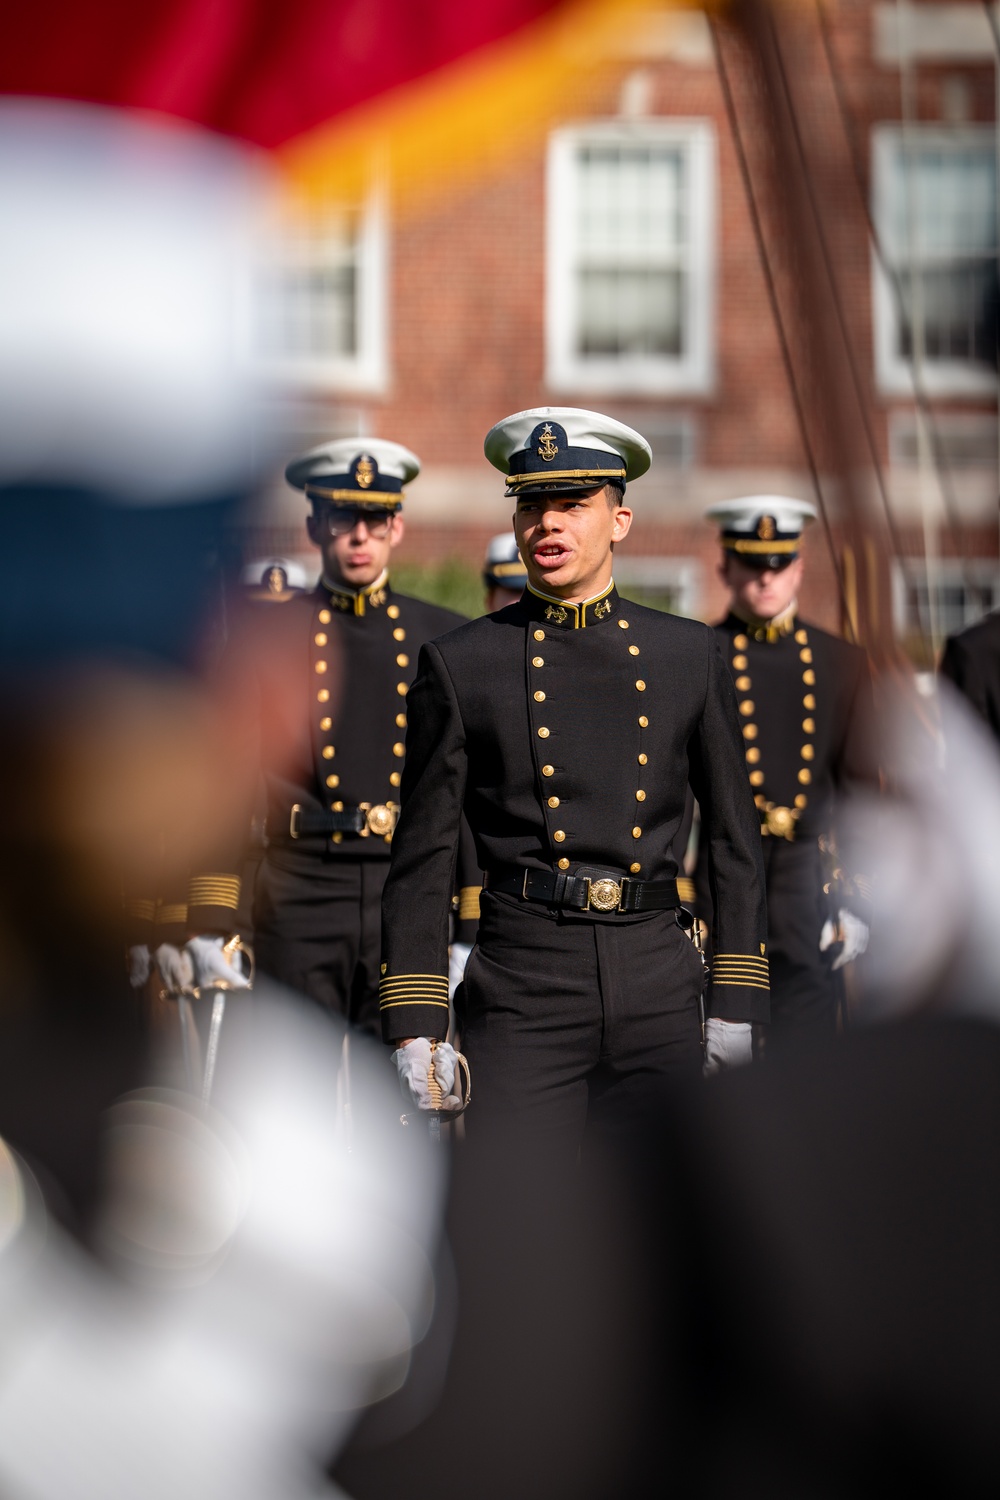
[764, 630]
[595, 611]
[358, 601]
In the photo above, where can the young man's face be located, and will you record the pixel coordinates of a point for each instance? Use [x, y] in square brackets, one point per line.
[761, 592]
[566, 540]
[355, 544]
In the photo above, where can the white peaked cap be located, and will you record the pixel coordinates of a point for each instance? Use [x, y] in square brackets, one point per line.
[587, 440]
[789, 515]
[337, 460]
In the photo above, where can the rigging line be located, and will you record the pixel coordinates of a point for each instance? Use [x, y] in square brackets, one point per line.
[852, 364]
[772, 293]
[994, 24]
[921, 399]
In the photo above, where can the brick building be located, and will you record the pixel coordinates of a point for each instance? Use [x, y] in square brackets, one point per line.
[614, 264]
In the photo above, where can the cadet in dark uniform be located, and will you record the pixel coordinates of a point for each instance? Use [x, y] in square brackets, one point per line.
[971, 661]
[332, 805]
[805, 711]
[504, 573]
[567, 727]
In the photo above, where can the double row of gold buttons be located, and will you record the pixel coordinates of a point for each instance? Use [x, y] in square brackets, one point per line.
[747, 708]
[559, 836]
[323, 696]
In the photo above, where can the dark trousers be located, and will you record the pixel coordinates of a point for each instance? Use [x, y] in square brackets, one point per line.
[568, 1022]
[319, 931]
[805, 992]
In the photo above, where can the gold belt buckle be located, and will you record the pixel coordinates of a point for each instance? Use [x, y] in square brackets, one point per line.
[380, 819]
[604, 895]
[780, 821]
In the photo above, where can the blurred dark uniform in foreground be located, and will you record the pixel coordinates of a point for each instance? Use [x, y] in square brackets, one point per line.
[806, 715]
[332, 804]
[971, 661]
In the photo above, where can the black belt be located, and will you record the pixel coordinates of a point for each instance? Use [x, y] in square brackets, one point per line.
[590, 889]
[367, 818]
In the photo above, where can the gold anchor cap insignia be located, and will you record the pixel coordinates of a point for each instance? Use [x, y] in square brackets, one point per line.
[766, 528]
[548, 448]
[365, 472]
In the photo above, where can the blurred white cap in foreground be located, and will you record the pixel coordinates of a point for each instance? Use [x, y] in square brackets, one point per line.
[127, 285]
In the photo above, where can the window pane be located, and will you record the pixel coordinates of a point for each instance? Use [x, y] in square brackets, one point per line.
[630, 201]
[629, 312]
[959, 311]
[310, 308]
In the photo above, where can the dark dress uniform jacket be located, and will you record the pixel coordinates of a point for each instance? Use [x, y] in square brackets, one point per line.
[569, 734]
[806, 714]
[972, 662]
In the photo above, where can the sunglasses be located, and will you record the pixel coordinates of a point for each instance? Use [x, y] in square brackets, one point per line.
[338, 520]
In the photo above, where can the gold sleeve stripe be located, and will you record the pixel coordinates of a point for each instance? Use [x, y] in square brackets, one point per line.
[740, 984]
[429, 981]
[395, 1004]
[685, 887]
[399, 990]
[169, 916]
[750, 958]
[468, 903]
[140, 908]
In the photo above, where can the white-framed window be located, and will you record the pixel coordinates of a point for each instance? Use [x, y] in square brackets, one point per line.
[964, 590]
[322, 311]
[934, 197]
[673, 584]
[630, 257]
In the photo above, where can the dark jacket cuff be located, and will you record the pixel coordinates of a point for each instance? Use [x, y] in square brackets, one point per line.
[413, 1005]
[739, 988]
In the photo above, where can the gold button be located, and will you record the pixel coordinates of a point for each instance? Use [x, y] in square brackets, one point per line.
[402, 660]
[564, 864]
[640, 685]
[326, 723]
[622, 624]
[337, 807]
[328, 752]
[637, 833]
[539, 697]
[633, 651]
[320, 638]
[749, 731]
[739, 663]
[801, 799]
[321, 667]
[333, 781]
[759, 801]
[801, 637]
[553, 801]
[548, 770]
[323, 696]
[324, 617]
[805, 776]
[809, 726]
[539, 635]
[805, 655]
[399, 748]
[559, 836]
[399, 634]
[640, 795]
[809, 677]
[402, 689]
[394, 778]
[634, 869]
[400, 721]
[642, 759]
[543, 733]
[393, 611]
[809, 701]
[743, 684]
[538, 661]
[752, 754]
[740, 642]
[643, 722]
[756, 778]
[808, 753]
[746, 707]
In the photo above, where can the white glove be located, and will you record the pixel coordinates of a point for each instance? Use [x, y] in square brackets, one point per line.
[458, 957]
[728, 1044]
[212, 966]
[175, 966]
[853, 933]
[139, 965]
[413, 1061]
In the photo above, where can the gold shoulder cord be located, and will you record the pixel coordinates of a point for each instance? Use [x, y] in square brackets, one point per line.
[381, 817]
[777, 821]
